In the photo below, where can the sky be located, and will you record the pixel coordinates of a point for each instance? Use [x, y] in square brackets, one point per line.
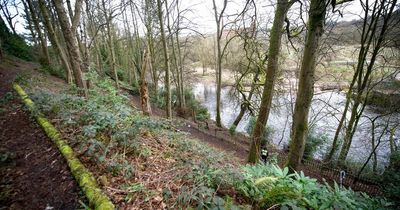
[200, 12]
[203, 15]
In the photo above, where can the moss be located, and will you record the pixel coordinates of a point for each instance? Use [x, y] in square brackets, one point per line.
[87, 182]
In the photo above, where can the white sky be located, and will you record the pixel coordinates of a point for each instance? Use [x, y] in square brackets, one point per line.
[202, 15]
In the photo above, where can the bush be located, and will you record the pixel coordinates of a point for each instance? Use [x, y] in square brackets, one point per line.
[56, 71]
[13, 44]
[269, 185]
[313, 143]
[268, 131]
[191, 103]
[391, 178]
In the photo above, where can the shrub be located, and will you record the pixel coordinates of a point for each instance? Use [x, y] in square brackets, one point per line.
[191, 103]
[391, 178]
[313, 143]
[53, 70]
[268, 131]
[14, 44]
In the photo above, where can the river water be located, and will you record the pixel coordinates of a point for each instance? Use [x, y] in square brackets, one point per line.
[325, 113]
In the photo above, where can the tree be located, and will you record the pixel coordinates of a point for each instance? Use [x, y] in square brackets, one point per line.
[109, 15]
[42, 38]
[272, 68]
[166, 60]
[305, 91]
[4, 7]
[220, 29]
[375, 28]
[376, 22]
[144, 92]
[69, 31]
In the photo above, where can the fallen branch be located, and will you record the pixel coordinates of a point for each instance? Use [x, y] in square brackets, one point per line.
[97, 198]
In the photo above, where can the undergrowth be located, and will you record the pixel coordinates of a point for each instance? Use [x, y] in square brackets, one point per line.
[153, 166]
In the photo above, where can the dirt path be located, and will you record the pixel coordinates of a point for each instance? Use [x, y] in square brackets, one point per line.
[195, 132]
[33, 174]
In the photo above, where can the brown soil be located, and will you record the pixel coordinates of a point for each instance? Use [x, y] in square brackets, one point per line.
[34, 175]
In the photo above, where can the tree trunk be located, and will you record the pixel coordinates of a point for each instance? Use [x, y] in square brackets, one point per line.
[144, 92]
[8, 17]
[110, 41]
[374, 35]
[150, 44]
[305, 90]
[55, 41]
[175, 59]
[180, 62]
[166, 60]
[69, 31]
[41, 36]
[272, 68]
[218, 74]
[246, 103]
[30, 24]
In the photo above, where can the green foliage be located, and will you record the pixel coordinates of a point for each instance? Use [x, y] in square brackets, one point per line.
[105, 122]
[268, 131]
[313, 143]
[203, 197]
[53, 70]
[266, 185]
[14, 44]
[191, 103]
[22, 78]
[391, 178]
[269, 185]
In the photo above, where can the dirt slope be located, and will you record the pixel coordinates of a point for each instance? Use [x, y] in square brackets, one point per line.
[33, 174]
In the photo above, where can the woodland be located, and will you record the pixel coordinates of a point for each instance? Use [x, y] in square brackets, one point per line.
[205, 104]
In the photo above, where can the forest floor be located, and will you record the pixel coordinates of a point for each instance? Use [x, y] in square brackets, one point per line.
[33, 173]
[238, 145]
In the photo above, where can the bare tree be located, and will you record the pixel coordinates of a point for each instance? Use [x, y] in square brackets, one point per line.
[41, 35]
[166, 61]
[4, 7]
[220, 30]
[69, 31]
[377, 19]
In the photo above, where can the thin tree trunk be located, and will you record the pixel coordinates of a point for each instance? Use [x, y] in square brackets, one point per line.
[30, 24]
[245, 105]
[180, 62]
[8, 17]
[110, 41]
[272, 68]
[382, 13]
[41, 36]
[218, 20]
[150, 43]
[166, 60]
[175, 59]
[305, 90]
[55, 42]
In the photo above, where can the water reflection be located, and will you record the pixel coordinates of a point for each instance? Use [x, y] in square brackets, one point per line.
[325, 113]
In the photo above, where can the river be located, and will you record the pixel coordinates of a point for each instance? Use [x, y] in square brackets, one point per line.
[325, 113]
